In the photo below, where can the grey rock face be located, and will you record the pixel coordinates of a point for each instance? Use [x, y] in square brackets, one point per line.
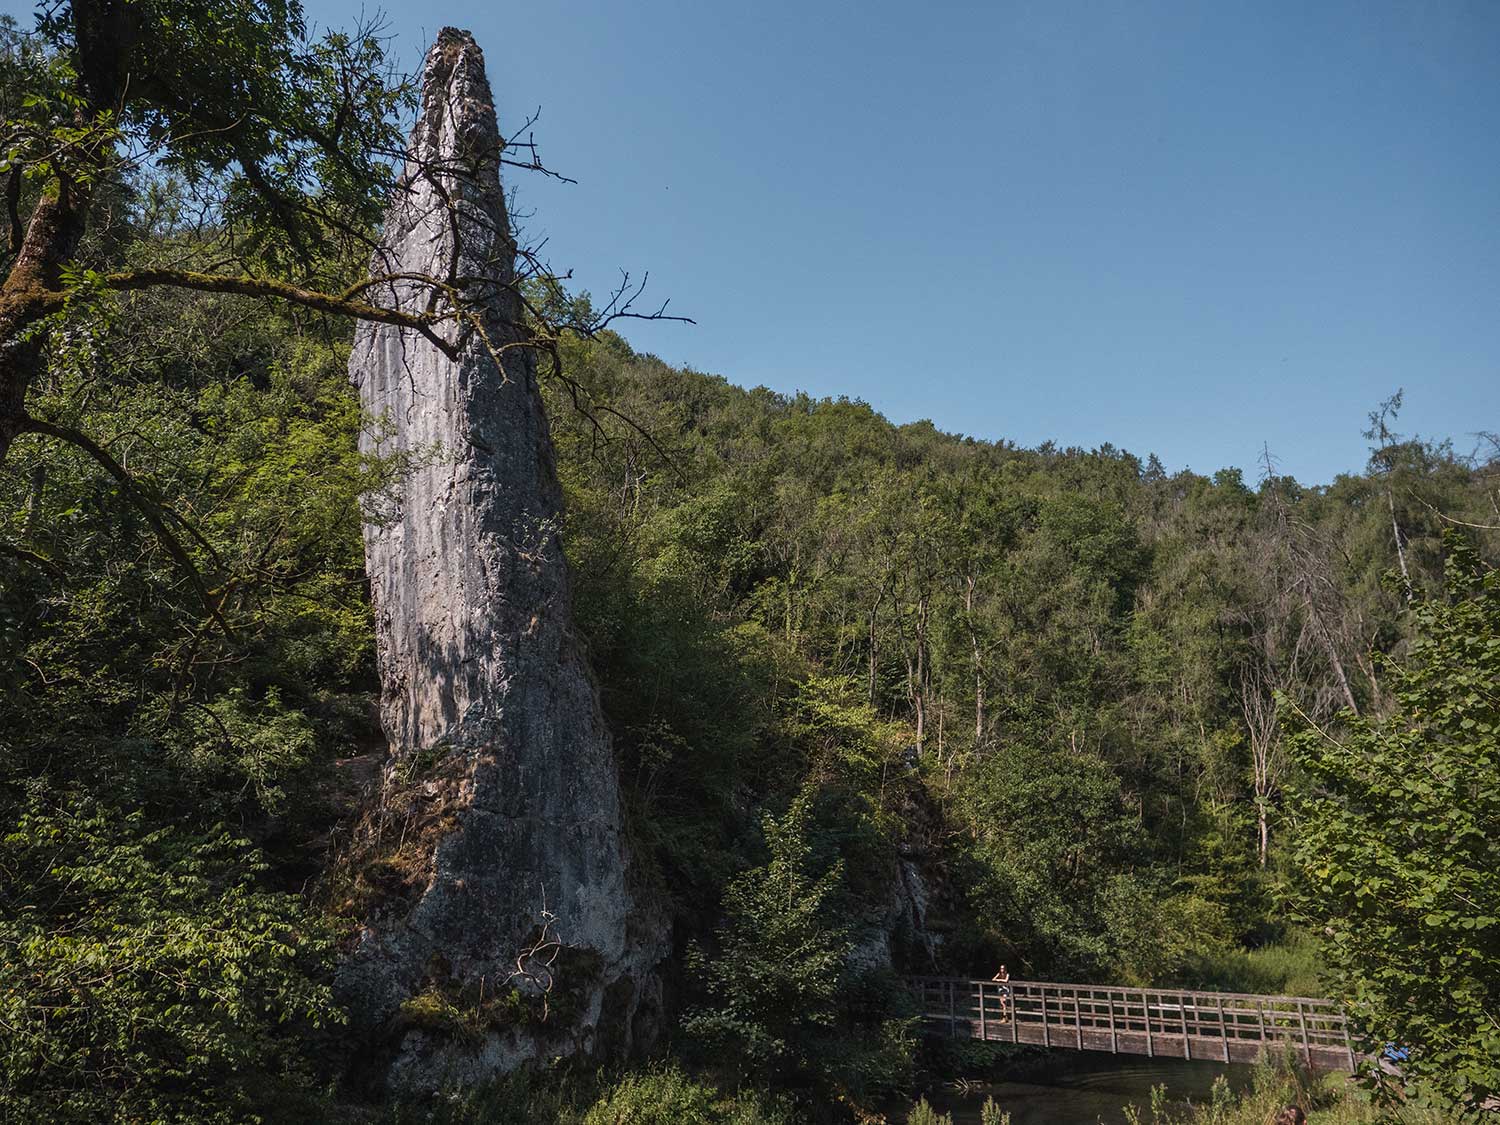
[899, 920]
[512, 931]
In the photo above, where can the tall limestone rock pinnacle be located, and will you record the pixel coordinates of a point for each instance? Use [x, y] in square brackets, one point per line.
[508, 929]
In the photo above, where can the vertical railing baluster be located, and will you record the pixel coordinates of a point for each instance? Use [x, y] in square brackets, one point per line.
[1348, 1046]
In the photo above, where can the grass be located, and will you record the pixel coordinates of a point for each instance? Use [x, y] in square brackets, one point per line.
[659, 1095]
[1287, 968]
[1327, 1100]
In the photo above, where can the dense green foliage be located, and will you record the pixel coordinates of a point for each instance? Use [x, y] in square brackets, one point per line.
[1398, 846]
[781, 999]
[151, 743]
[256, 447]
[149, 730]
[924, 1114]
[773, 984]
[272, 148]
[144, 975]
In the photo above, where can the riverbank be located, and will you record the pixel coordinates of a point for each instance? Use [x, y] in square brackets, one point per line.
[1081, 1089]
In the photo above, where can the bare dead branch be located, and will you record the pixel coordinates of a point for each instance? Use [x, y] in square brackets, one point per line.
[1446, 518]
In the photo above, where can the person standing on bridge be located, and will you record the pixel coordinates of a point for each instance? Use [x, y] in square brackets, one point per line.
[1003, 978]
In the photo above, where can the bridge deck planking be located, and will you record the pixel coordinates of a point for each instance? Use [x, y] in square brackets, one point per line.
[1171, 1023]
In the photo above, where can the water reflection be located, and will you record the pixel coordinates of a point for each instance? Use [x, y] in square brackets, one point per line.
[1085, 1089]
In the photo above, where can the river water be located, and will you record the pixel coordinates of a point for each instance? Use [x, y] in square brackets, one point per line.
[1087, 1089]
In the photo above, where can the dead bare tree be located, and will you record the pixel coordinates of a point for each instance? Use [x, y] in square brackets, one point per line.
[1295, 622]
[1297, 564]
[1382, 459]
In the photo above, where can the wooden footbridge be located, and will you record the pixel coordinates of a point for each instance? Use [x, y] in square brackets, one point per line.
[1168, 1023]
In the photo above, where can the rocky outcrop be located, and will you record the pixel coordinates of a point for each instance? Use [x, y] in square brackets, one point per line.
[893, 933]
[500, 924]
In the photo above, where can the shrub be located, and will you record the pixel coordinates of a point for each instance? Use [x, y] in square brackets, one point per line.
[662, 1095]
[924, 1114]
[669, 1097]
[775, 983]
[143, 975]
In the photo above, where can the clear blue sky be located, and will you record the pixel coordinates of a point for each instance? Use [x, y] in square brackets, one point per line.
[1187, 228]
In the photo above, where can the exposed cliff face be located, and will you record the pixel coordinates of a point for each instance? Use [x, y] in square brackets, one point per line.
[898, 923]
[510, 931]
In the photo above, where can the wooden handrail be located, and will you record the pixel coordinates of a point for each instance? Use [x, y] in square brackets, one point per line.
[1200, 993]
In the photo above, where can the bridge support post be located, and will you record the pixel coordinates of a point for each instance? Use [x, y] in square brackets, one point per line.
[1306, 1050]
[984, 1030]
[1146, 1011]
[1187, 1042]
[1223, 1031]
[1114, 1036]
[952, 1016]
[1046, 1035]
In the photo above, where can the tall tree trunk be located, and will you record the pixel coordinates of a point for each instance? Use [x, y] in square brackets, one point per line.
[914, 694]
[969, 583]
[1259, 679]
[917, 673]
[1367, 667]
[1390, 502]
[978, 706]
[102, 32]
[52, 238]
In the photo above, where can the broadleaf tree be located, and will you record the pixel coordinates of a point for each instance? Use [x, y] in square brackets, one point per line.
[1396, 847]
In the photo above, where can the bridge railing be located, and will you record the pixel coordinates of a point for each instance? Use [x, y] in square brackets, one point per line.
[1228, 1026]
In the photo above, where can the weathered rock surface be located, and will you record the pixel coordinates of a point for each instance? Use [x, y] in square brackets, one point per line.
[897, 923]
[508, 929]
